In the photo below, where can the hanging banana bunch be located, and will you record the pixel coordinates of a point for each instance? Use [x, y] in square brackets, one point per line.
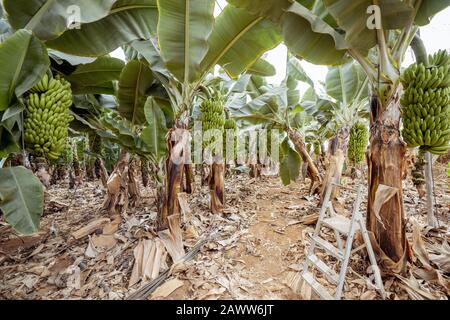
[212, 116]
[426, 104]
[357, 146]
[47, 117]
[317, 148]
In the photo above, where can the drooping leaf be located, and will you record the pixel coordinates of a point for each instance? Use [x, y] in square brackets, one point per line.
[290, 163]
[24, 61]
[96, 77]
[21, 199]
[8, 144]
[49, 18]
[128, 20]
[183, 30]
[428, 9]
[135, 82]
[309, 95]
[262, 68]
[352, 16]
[342, 83]
[270, 9]
[238, 40]
[154, 134]
[149, 50]
[295, 70]
[311, 38]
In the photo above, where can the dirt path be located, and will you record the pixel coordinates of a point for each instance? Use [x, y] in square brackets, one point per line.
[272, 241]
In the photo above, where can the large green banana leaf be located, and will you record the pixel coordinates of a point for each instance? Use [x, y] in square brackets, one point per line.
[149, 50]
[24, 61]
[309, 37]
[352, 16]
[296, 72]
[48, 19]
[262, 68]
[342, 83]
[21, 199]
[271, 9]
[428, 8]
[8, 144]
[154, 134]
[238, 40]
[183, 30]
[128, 20]
[134, 85]
[96, 77]
[274, 9]
[289, 164]
[304, 31]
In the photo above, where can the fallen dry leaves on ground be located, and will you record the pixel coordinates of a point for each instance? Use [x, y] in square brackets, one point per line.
[258, 252]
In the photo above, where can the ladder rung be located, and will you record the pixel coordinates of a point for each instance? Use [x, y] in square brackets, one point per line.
[316, 286]
[331, 249]
[326, 270]
[340, 224]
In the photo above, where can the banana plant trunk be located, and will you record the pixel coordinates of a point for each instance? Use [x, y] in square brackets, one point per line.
[337, 156]
[300, 147]
[217, 187]
[177, 140]
[386, 170]
[188, 178]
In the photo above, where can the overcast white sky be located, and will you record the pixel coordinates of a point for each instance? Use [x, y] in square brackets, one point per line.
[435, 35]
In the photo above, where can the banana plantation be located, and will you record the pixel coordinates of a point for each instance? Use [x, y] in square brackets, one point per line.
[146, 151]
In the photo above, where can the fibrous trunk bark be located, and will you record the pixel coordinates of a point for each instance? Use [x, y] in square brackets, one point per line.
[337, 156]
[217, 187]
[122, 188]
[300, 147]
[188, 178]
[386, 170]
[177, 142]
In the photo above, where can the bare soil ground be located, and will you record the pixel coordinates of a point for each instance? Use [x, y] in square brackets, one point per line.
[257, 253]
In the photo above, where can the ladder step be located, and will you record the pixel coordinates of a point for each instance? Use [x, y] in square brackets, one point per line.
[331, 249]
[316, 286]
[340, 224]
[326, 270]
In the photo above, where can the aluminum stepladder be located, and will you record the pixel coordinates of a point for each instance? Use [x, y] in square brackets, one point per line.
[341, 226]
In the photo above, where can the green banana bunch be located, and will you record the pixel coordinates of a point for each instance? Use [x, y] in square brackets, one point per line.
[212, 117]
[359, 138]
[426, 104]
[47, 117]
[317, 148]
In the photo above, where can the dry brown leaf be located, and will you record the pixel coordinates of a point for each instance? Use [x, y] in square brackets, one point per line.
[368, 295]
[419, 247]
[172, 238]
[103, 242]
[383, 194]
[90, 228]
[167, 288]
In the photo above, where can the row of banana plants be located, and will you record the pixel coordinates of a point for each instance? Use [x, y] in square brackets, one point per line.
[172, 48]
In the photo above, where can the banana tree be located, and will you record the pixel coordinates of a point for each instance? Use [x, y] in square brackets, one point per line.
[277, 107]
[344, 104]
[329, 32]
[190, 43]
